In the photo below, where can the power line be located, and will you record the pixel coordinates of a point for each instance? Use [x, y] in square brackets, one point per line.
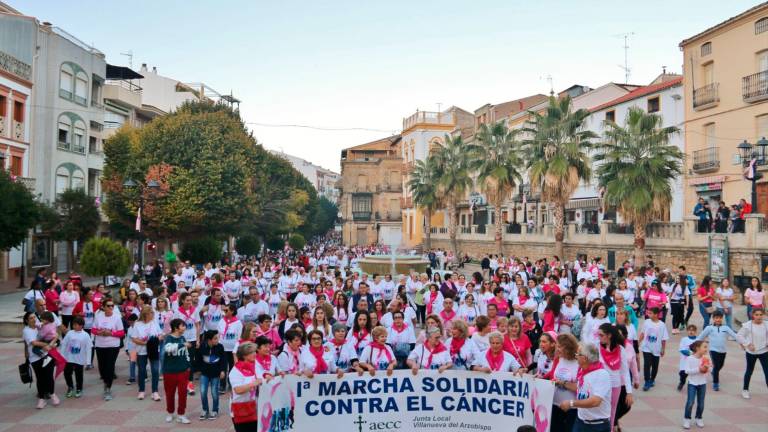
[322, 128]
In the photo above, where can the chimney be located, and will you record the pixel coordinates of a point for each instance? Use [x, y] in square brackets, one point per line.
[154, 70]
[143, 67]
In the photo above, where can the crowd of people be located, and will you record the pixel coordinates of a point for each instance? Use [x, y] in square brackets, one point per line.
[228, 328]
[723, 219]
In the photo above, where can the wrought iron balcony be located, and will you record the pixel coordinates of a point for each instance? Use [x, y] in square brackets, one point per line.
[707, 96]
[361, 216]
[706, 160]
[754, 88]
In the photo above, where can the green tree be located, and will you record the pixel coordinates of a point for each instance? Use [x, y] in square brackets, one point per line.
[452, 171]
[202, 250]
[103, 257]
[326, 214]
[296, 241]
[497, 163]
[424, 189]
[636, 165]
[248, 245]
[557, 157]
[19, 211]
[74, 217]
[275, 243]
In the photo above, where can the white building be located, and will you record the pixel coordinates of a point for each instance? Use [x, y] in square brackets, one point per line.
[324, 180]
[167, 94]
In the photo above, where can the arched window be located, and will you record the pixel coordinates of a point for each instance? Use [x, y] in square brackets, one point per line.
[65, 132]
[66, 81]
[81, 88]
[706, 49]
[435, 145]
[62, 179]
[761, 25]
[73, 83]
[71, 133]
[69, 176]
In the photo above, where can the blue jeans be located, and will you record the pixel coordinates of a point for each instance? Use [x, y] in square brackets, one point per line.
[728, 313]
[703, 311]
[697, 392]
[154, 366]
[213, 383]
[580, 426]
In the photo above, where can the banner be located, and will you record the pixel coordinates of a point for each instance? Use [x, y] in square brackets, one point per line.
[430, 401]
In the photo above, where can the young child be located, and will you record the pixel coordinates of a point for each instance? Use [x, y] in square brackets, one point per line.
[653, 341]
[210, 359]
[47, 332]
[130, 349]
[697, 366]
[717, 334]
[532, 329]
[76, 348]
[685, 351]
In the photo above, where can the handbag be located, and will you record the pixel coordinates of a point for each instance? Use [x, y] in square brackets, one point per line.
[709, 309]
[153, 348]
[243, 412]
[25, 373]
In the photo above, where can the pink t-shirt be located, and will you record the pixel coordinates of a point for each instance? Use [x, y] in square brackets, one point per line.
[655, 299]
[705, 293]
[754, 297]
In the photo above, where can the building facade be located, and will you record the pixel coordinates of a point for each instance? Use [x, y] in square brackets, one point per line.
[324, 180]
[371, 187]
[725, 83]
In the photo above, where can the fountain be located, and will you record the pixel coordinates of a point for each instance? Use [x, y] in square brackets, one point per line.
[393, 264]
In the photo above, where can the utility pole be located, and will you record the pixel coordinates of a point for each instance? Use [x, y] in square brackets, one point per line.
[129, 54]
[625, 67]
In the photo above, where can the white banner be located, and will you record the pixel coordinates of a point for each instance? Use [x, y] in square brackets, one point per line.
[452, 401]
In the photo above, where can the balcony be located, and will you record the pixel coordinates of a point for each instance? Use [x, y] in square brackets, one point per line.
[707, 160]
[406, 202]
[96, 126]
[754, 88]
[123, 92]
[361, 216]
[428, 118]
[389, 216]
[94, 148]
[18, 131]
[707, 96]
[29, 182]
[63, 145]
[2, 126]
[388, 187]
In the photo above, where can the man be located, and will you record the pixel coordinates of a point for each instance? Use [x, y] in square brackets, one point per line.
[232, 289]
[485, 265]
[620, 303]
[593, 393]
[188, 274]
[753, 337]
[362, 292]
[704, 215]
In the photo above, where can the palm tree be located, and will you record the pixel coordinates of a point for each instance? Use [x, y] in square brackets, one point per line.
[452, 172]
[497, 163]
[636, 167]
[423, 188]
[557, 157]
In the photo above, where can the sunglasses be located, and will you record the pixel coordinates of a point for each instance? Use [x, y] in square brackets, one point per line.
[109, 305]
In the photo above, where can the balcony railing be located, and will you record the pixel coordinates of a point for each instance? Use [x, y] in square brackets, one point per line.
[96, 126]
[2, 126]
[63, 145]
[440, 230]
[428, 117]
[587, 228]
[754, 87]
[389, 187]
[706, 96]
[18, 131]
[406, 202]
[127, 85]
[94, 148]
[361, 216]
[706, 160]
[29, 182]
[78, 148]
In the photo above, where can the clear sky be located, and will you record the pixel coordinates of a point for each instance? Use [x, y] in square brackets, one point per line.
[368, 64]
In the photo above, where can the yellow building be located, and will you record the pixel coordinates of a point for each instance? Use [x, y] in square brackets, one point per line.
[726, 101]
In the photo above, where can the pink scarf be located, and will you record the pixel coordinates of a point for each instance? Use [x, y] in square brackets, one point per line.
[382, 349]
[612, 359]
[495, 361]
[432, 298]
[436, 350]
[320, 365]
[584, 372]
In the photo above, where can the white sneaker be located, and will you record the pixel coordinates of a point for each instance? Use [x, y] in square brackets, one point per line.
[686, 423]
[700, 423]
[183, 419]
[140, 396]
[745, 394]
[169, 418]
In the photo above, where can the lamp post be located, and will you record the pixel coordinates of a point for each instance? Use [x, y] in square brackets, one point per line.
[152, 185]
[752, 156]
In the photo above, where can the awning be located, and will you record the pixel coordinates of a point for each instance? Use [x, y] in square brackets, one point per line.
[706, 180]
[122, 72]
[583, 203]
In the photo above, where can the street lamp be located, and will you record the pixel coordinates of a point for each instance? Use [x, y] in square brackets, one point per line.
[152, 185]
[752, 156]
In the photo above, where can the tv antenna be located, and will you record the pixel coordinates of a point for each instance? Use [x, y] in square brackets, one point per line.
[439, 104]
[548, 77]
[129, 54]
[625, 67]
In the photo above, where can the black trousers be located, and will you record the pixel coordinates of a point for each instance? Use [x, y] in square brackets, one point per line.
[66, 321]
[751, 360]
[77, 369]
[718, 361]
[107, 358]
[562, 420]
[246, 427]
[650, 366]
[44, 376]
[683, 377]
[678, 314]
[689, 309]
[622, 408]
[229, 360]
[192, 362]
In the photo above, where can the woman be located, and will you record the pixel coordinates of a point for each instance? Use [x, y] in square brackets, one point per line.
[517, 343]
[68, 299]
[345, 355]
[266, 329]
[189, 313]
[44, 370]
[245, 386]
[266, 362]
[615, 361]
[360, 334]
[462, 350]
[482, 330]
[378, 355]
[288, 359]
[320, 323]
[318, 358]
[570, 313]
[598, 316]
[544, 357]
[431, 354]
[706, 296]
[379, 309]
[401, 337]
[273, 299]
[128, 306]
[724, 301]
[523, 302]
[433, 300]
[230, 329]
[496, 359]
[176, 367]
[754, 297]
[147, 353]
[107, 330]
[291, 318]
[51, 297]
[468, 310]
[551, 314]
[594, 383]
[340, 305]
[564, 374]
[677, 300]
[502, 306]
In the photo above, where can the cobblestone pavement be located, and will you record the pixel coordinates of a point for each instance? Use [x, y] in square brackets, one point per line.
[658, 410]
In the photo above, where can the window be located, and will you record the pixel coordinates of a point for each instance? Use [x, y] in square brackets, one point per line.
[761, 25]
[610, 116]
[361, 206]
[41, 251]
[708, 73]
[16, 169]
[63, 135]
[62, 182]
[3, 105]
[18, 111]
[78, 180]
[706, 49]
[709, 135]
[654, 104]
[463, 220]
[762, 61]
[65, 84]
[78, 144]
[113, 120]
[81, 90]
[762, 126]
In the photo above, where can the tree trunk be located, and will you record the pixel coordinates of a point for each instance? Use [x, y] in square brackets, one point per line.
[498, 228]
[639, 245]
[427, 229]
[559, 225]
[452, 216]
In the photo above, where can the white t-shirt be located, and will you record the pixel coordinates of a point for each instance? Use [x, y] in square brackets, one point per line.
[262, 370]
[229, 334]
[685, 344]
[103, 322]
[653, 335]
[237, 379]
[30, 335]
[68, 301]
[190, 319]
[726, 293]
[252, 311]
[307, 360]
[464, 359]
[287, 362]
[509, 364]
[469, 313]
[76, 347]
[695, 377]
[481, 342]
[377, 358]
[212, 317]
[596, 383]
[88, 315]
[344, 354]
[307, 300]
[565, 370]
[144, 331]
